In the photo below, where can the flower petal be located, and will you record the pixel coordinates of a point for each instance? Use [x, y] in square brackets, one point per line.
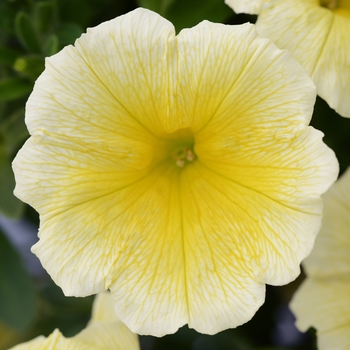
[128, 243]
[104, 332]
[254, 6]
[102, 309]
[72, 188]
[313, 34]
[54, 341]
[330, 257]
[246, 6]
[165, 276]
[222, 288]
[242, 74]
[274, 233]
[46, 158]
[99, 336]
[69, 98]
[324, 305]
[104, 336]
[148, 281]
[130, 55]
[275, 168]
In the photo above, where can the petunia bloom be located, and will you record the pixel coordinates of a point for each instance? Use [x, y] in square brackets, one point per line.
[323, 300]
[104, 332]
[177, 171]
[317, 32]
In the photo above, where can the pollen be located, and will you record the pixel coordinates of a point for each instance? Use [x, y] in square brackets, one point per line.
[183, 155]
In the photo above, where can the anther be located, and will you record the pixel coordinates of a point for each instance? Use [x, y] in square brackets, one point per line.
[190, 156]
[183, 155]
[180, 163]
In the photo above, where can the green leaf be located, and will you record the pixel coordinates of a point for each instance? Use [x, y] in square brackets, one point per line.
[13, 88]
[186, 14]
[30, 66]
[68, 10]
[8, 56]
[10, 206]
[7, 14]
[51, 45]
[13, 131]
[26, 33]
[68, 33]
[159, 6]
[17, 292]
[45, 15]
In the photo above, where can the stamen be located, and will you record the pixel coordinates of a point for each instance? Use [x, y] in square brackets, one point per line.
[180, 163]
[183, 156]
[190, 156]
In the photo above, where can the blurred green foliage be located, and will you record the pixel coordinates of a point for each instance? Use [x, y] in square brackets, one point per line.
[31, 30]
[17, 295]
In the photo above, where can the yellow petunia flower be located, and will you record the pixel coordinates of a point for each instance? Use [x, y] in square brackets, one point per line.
[104, 332]
[323, 300]
[318, 35]
[177, 171]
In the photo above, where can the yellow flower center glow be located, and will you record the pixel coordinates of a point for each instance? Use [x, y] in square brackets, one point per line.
[180, 145]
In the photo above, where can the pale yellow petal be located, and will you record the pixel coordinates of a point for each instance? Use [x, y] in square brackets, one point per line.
[332, 72]
[104, 332]
[161, 280]
[114, 336]
[254, 7]
[285, 170]
[323, 299]
[148, 281]
[222, 288]
[123, 238]
[242, 74]
[319, 39]
[130, 55]
[33, 344]
[246, 6]
[99, 336]
[55, 341]
[63, 172]
[69, 98]
[75, 195]
[103, 309]
[75, 105]
[325, 306]
[330, 257]
[291, 170]
[273, 235]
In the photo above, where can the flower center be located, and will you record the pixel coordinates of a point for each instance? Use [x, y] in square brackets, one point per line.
[330, 4]
[183, 156]
[180, 148]
[338, 7]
